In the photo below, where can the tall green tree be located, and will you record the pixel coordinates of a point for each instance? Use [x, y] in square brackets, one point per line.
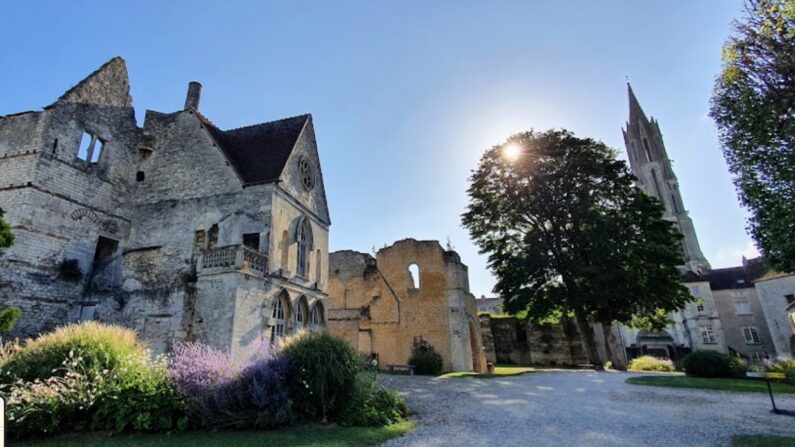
[567, 231]
[6, 236]
[754, 107]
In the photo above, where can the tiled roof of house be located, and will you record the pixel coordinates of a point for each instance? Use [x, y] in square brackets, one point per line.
[737, 277]
[259, 152]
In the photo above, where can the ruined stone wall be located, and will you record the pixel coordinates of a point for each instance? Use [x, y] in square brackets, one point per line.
[515, 341]
[378, 298]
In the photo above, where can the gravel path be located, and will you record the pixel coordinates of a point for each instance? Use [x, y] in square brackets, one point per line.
[579, 408]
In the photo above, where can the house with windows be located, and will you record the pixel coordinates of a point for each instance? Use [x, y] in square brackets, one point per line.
[776, 292]
[178, 229]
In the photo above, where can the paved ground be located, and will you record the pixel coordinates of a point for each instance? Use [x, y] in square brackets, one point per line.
[579, 408]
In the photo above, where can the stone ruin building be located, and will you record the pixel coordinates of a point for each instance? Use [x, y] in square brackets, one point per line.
[178, 229]
[410, 291]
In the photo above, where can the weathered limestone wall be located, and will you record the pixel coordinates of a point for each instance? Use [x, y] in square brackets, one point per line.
[545, 344]
[733, 323]
[779, 313]
[376, 306]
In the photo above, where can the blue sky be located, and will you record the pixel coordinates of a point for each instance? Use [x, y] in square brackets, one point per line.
[406, 96]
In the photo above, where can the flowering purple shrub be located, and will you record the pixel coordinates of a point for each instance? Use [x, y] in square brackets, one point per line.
[249, 390]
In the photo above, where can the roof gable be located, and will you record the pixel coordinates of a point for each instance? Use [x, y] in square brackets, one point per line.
[109, 85]
[260, 152]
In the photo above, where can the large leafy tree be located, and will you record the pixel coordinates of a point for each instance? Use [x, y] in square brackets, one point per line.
[567, 232]
[6, 237]
[754, 107]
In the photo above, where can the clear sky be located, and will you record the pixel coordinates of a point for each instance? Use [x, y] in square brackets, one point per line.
[406, 95]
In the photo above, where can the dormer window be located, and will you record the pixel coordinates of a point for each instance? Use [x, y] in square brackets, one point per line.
[90, 147]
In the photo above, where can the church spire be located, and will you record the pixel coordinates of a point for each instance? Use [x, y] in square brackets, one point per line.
[635, 111]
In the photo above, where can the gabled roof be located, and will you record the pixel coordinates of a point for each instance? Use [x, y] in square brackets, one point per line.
[259, 152]
[107, 85]
[737, 277]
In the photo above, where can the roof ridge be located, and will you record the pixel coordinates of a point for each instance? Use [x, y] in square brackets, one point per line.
[204, 119]
[268, 122]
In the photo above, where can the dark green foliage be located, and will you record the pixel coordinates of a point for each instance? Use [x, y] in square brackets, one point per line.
[425, 359]
[371, 405]
[567, 232]
[8, 319]
[754, 107]
[710, 364]
[6, 236]
[324, 369]
[69, 270]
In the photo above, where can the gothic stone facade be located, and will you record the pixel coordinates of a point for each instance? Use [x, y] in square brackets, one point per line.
[409, 291]
[179, 230]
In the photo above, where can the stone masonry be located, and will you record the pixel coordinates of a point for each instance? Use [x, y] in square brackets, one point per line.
[409, 291]
[178, 229]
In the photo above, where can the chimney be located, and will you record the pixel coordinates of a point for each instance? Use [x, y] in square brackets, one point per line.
[194, 94]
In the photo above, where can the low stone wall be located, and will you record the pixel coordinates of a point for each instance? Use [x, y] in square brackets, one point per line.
[510, 340]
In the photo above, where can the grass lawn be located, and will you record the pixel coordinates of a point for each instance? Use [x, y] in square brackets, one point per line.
[499, 371]
[762, 441]
[758, 386]
[294, 437]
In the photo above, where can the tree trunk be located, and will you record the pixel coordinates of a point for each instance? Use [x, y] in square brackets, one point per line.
[588, 338]
[608, 349]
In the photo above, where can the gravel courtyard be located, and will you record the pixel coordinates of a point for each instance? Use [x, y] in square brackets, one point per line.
[579, 408]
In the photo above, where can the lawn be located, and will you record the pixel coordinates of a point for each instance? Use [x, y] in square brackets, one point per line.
[762, 441]
[294, 437]
[758, 386]
[499, 371]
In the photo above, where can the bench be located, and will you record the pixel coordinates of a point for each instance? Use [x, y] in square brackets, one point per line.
[409, 368]
[768, 376]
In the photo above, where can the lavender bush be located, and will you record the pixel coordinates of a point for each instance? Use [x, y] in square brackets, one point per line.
[246, 391]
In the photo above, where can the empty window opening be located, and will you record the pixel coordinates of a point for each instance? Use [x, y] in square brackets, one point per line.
[251, 240]
[200, 240]
[414, 276]
[104, 252]
[212, 236]
[656, 185]
[55, 146]
[790, 299]
[90, 148]
[87, 312]
[139, 176]
[302, 313]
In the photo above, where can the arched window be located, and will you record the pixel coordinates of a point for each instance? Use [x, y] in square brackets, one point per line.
[318, 266]
[302, 313]
[304, 239]
[285, 249]
[414, 275]
[317, 317]
[279, 317]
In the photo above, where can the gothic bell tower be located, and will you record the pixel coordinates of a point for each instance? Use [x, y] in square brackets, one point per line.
[649, 162]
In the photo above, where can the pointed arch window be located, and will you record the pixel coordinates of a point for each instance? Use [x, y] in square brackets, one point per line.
[647, 148]
[317, 317]
[304, 240]
[278, 318]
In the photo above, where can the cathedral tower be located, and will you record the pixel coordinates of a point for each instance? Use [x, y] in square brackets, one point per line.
[650, 164]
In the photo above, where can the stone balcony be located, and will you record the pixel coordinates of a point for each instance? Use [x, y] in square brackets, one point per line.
[232, 258]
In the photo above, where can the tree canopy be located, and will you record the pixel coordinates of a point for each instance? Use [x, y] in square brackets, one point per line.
[567, 231]
[6, 236]
[754, 107]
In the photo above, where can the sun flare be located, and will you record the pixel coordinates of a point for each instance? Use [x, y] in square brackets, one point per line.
[511, 151]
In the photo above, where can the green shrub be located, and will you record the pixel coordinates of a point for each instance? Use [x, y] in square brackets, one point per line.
[98, 347]
[323, 376]
[371, 405]
[649, 363]
[711, 364]
[786, 366]
[425, 359]
[88, 376]
[8, 319]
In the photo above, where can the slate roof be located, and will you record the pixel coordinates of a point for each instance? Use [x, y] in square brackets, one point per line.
[259, 152]
[737, 277]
